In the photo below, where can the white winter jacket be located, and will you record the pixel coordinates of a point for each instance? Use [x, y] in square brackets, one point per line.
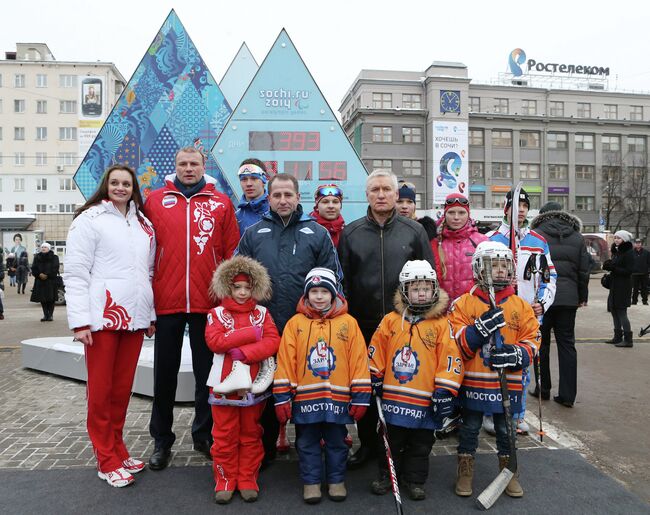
[108, 269]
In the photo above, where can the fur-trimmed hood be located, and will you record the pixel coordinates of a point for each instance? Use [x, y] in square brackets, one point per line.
[435, 311]
[226, 272]
[557, 221]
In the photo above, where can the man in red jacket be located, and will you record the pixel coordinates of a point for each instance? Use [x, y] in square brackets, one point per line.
[196, 230]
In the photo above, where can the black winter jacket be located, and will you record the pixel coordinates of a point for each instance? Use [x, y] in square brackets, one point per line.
[641, 261]
[569, 255]
[372, 258]
[620, 265]
[45, 290]
[288, 253]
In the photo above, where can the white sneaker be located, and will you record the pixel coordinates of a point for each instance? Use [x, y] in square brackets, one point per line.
[522, 427]
[117, 478]
[133, 466]
[488, 424]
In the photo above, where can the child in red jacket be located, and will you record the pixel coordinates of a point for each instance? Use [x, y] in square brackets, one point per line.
[244, 338]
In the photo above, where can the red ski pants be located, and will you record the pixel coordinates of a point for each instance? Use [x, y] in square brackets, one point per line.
[111, 362]
[237, 450]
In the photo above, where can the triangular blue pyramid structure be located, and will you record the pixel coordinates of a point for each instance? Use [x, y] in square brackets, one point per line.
[239, 75]
[284, 120]
[172, 101]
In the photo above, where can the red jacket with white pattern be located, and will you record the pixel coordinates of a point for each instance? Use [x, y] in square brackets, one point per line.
[193, 237]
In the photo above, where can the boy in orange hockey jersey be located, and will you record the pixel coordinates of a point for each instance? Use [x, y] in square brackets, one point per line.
[417, 370]
[322, 382]
[475, 327]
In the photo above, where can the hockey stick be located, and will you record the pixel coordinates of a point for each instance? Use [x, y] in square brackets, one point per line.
[389, 458]
[494, 490]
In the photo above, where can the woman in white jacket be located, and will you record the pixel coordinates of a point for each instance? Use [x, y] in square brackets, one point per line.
[108, 268]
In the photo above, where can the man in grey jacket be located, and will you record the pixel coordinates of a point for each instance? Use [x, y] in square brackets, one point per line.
[372, 251]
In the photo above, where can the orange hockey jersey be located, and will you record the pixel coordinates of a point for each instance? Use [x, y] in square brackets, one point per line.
[413, 360]
[480, 390]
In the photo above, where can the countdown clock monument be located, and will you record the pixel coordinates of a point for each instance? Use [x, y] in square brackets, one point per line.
[284, 120]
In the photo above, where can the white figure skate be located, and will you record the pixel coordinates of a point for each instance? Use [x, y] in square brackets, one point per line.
[264, 377]
[239, 379]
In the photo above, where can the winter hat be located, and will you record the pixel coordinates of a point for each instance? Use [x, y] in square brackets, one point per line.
[328, 190]
[234, 269]
[456, 199]
[49, 247]
[252, 170]
[624, 235]
[241, 277]
[407, 193]
[523, 197]
[323, 278]
[550, 206]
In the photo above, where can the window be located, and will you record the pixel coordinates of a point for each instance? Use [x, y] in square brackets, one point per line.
[419, 204]
[384, 164]
[502, 170]
[611, 143]
[638, 174]
[636, 113]
[41, 158]
[535, 200]
[41, 80]
[19, 158]
[67, 185]
[529, 107]
[412, 168]
[584, 203]
[558, 172]
[476, 137]
[585, 172]
[412, 134]
[67, 158]
[476, 170]
[636, 144]
[556, 108]
[612, 174]
[502, 138]
[67, 133]
[563, 200]
[19, 80]
[41, 133]
[529, 171]
[529, 139]
[66, 208]
[584, 110]
[382, 100]
[557, 140]
[19, 106]
[584, 141]
[19, 133]
[477, 200]
[41, 106]
[68, 106]
[67, 81]
[41, 184]
[411, 101]
[41, 208]
[474, 104]
[19, 184]
[19, 207]
[501, 105]
[611, 111]
[382, 134]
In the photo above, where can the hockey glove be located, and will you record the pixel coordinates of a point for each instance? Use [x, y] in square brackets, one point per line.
[489, 322]
[443, 405]
[509, 356]
[377, 387]
[283, 412]
[357, 412]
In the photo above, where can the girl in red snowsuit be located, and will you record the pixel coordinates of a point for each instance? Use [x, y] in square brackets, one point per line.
[243, 331]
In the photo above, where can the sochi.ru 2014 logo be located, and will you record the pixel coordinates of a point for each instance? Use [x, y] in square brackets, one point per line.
[517, 57]
[405, 364]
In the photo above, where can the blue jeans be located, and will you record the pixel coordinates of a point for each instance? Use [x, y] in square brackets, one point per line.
[308, 437]
[468, 435]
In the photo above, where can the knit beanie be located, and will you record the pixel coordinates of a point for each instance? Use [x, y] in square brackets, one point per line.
[624, 235]
[407, 193]
[323, 278]
[550, 206]
[523, 197]
[456, 200]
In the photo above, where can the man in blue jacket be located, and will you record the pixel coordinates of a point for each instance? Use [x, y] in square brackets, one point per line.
[289, 244]
[254, 202]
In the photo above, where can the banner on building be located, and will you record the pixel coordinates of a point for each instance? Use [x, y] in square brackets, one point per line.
[92, 110]
[450, 170]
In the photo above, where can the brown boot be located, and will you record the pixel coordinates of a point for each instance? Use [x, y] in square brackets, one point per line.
[311, 493]
[337, 492]
[514, 488]
[465, 475]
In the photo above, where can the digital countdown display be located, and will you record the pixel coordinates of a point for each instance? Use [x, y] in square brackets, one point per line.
[283, 120]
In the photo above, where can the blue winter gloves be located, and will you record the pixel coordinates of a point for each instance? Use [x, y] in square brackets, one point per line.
[489, 322]
[443, 405]
[509, 356]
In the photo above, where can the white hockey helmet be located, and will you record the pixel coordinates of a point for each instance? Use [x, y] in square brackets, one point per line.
[488, 253]
[418, 270]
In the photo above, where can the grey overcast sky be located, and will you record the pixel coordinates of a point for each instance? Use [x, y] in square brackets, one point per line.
[338, 38]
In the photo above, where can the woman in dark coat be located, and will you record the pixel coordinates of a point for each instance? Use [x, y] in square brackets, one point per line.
[22, 272]
[620, 267]
[45, 269]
